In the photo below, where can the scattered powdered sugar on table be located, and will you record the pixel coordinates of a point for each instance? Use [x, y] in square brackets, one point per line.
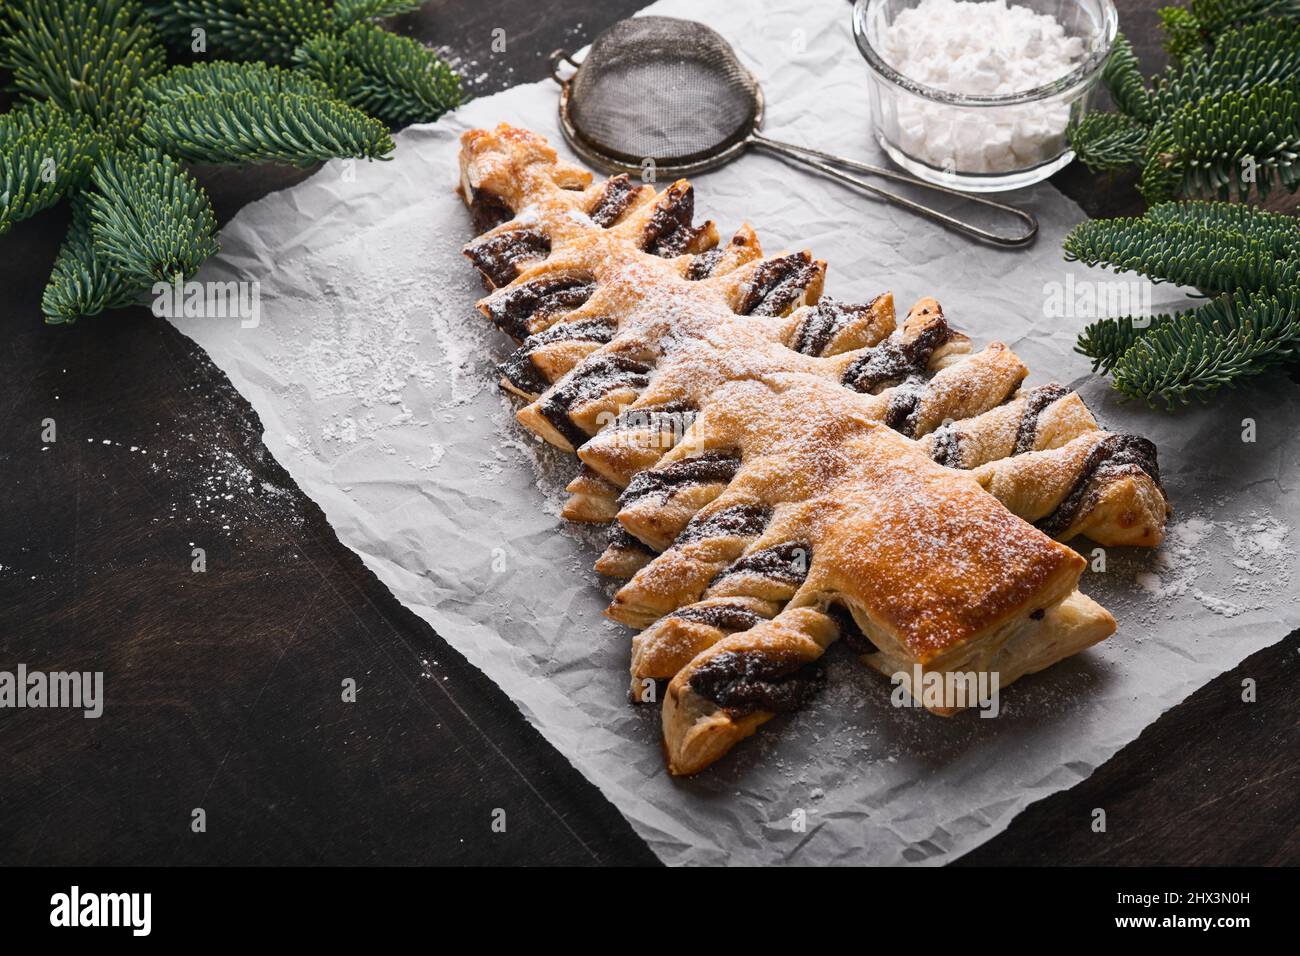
[1260, 549]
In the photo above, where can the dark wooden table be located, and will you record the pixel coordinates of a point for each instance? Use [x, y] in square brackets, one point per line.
[224, 687]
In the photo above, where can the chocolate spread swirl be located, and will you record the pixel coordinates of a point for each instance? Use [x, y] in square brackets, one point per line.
[725, 617]
[622, 540]
[668, 232]
[1036, 402]
[488, 211]
[850, 633]
[519, 369]
[776, 284]
[784, 562]
[710, 467]
[823, 323]
[515, 309]
[747, 681]
[895, 359]
[904, 403]
[946, 446]
[702, 265]
[499, 256]
[742, 521]
[590, 380]
[613, 202]
[1110, 458]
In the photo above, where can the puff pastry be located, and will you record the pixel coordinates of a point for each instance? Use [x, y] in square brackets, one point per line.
[779, 469]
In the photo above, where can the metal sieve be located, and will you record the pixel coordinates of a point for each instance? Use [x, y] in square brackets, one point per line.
[671, 92]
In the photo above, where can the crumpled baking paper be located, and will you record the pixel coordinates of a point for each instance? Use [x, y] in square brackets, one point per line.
[374, 377]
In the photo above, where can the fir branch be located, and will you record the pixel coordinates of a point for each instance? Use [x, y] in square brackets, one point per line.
[1106, 340]
[85, 55]
[1215, 16]
[1161, 172]
[262, 128]
[151, 221]
[392, 77]
[223, 76]
[1242, 60]
[242, 29]
[348, 12]
[1104, 141]
[1192, 355]
[1237, 141]
[1278, 232]
[1183, 254]
[1124, 80]
[82, 282]
[1183, 34]
[45, 153]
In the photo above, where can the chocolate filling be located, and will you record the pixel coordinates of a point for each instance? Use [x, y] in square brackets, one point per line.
[946, 447]
[725, 617]
[1110, 458]
[488, 211]
[743, 521]
[903, 406]
[620, 538]
[776, 284]
[895, 359]
[711, 467]
[785, 562]
[613, 202]
[1036, 402]
[746, 681]
[823, 323]
[590, 380]
[668, 232]
[499, 256]
[519, 369]
[541, 297]
[850, 633]
[675, 415]
[702, 266]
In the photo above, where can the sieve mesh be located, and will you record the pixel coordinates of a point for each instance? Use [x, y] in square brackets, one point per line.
[663, 89]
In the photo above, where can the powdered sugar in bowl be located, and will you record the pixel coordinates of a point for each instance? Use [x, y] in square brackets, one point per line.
[977, 95]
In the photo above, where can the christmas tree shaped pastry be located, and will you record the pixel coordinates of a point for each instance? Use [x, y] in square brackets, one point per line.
[722, 408]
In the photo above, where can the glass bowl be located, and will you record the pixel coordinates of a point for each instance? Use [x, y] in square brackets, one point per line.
[983, 142]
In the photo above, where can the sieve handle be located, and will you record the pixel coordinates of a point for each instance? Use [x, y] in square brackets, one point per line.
[822, 162]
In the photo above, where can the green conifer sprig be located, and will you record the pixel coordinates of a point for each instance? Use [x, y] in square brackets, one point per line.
[150, 220]
[261, 128]
[1110, 141]
[83, 282]
[348, 12]
[1248, 258]
[88, 56]
[223, 76]
[1188, 29]
[101, 120]
[1183, 35]
[1124, 81]
[45, 153]
[1219, 123]
[386, 75]
[1236, 143]
[1192, 355]
[267, 30]
[1209, 260]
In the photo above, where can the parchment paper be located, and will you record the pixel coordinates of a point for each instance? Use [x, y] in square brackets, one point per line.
[373, 376]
